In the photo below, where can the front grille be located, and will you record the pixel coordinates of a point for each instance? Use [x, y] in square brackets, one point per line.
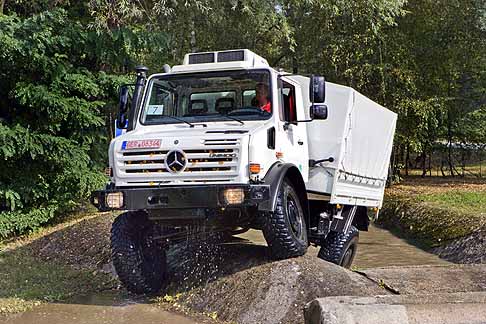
[216, 160]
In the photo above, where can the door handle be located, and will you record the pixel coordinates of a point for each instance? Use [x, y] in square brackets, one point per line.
[300, 142]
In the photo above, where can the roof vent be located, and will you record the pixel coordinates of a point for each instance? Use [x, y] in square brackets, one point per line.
[207, 61]
[200, 58]
[231, 56]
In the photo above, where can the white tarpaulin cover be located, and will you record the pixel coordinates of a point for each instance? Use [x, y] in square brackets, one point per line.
[358, 134]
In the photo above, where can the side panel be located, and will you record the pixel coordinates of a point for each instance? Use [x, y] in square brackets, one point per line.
[326, 138]
[365, 155]
[358, 134]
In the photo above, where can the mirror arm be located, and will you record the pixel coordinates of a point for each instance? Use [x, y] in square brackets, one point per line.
[313, 163]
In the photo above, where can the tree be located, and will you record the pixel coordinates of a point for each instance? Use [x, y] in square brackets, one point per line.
[52, 100]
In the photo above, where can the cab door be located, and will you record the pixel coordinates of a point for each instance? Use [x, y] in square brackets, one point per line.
[292, 140]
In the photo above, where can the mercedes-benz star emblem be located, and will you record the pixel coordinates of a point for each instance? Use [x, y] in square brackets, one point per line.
[175, 161]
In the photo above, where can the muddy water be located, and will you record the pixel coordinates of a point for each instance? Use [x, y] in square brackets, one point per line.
[377, 248]
[380, 248]
[105, 308]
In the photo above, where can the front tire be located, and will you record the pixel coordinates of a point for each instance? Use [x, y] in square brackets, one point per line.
[285, 230]
[139, 260]
[340, 248]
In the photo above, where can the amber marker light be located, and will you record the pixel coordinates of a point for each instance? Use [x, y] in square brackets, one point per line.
[255, 168]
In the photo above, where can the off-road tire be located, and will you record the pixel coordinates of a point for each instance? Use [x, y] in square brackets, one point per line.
[139, 261]
[340, 248]
[285, 240]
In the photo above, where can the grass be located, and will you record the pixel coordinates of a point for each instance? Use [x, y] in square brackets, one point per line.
[464, 202]
[28, 278]
[26, 281]
[435, 211]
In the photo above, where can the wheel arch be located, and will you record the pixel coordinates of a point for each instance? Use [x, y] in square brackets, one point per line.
[274, 178]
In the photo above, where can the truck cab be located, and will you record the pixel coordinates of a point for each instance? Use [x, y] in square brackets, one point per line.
[225, 143]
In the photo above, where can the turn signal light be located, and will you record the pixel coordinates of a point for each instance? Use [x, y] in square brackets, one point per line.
[255, 168]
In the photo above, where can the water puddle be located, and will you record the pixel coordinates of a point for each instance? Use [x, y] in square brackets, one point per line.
[380, 248]
[106, 308]
[377, 248]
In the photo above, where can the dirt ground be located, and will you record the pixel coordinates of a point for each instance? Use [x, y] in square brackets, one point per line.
[228, 282]
[236, 281]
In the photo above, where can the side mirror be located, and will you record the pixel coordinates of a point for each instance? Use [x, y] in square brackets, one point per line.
[124, 94]
[122, 118]
[318, 112]
[317, 89]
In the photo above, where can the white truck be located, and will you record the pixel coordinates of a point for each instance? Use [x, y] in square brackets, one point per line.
[224, 143]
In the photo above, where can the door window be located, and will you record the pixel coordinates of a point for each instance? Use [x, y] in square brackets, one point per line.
[288, 109]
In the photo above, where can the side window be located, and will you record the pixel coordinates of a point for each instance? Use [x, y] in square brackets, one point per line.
[288, 109]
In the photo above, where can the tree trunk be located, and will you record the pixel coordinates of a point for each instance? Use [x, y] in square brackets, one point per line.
[480, 163]
[2, 5]
[449, 140]
[424, 163]
[407, 158]
[463, 162]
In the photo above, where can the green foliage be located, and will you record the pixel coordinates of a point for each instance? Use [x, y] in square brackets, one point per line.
[61, 63]
[53, 106]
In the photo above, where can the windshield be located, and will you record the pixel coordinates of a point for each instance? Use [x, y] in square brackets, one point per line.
[204, 97]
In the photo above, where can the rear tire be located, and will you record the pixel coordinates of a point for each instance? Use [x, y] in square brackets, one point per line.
[285, 230]
[139, 260]
[340, 248]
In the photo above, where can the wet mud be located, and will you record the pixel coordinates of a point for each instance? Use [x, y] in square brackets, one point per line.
[237, 282]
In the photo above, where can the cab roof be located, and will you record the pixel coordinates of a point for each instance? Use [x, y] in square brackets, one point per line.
[221, 60]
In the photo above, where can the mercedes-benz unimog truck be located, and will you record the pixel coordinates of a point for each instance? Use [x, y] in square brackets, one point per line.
[224, 143]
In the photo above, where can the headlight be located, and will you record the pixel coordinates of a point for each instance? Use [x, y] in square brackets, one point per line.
[114, 200]
[234, 196]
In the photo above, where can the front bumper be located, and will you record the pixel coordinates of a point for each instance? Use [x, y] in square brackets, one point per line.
[181, 197]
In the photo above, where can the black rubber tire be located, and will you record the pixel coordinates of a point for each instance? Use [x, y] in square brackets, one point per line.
[284, 240]
[139, 261]
[340, 248]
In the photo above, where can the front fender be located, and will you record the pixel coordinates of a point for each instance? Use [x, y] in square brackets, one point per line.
[274, 179]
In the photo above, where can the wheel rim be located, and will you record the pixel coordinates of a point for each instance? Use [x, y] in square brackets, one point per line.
[348, 257]
[295, 218]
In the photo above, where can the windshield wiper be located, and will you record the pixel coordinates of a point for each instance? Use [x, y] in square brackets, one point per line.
[233, 118]
[185, 121]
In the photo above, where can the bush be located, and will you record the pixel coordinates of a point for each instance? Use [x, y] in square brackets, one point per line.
[52, 118]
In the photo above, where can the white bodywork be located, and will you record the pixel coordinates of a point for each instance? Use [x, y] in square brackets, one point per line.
[358, 134]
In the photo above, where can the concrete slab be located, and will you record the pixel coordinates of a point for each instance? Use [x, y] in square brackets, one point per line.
[430, 279]
[454, 308]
